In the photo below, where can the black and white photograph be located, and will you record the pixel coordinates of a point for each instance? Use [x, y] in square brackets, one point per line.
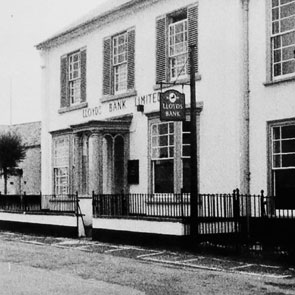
[147, 147]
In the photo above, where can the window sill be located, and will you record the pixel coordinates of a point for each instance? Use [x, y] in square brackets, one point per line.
[107, 98]
[283, 80]
[73, 108]
[178, 82]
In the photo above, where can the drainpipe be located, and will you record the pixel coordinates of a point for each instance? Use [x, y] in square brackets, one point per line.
[244, 132]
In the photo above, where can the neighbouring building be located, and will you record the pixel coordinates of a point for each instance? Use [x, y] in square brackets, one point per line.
[28, 179]
[101, 128]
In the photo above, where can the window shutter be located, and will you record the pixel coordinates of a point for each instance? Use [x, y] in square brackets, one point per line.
[161, 49]
[107, 66]
[63, 82]
[192, 15]
[83, 57]
[131, 60]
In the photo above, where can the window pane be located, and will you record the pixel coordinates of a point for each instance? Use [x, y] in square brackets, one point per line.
[186, 138]
[288, 54]
[277, 55]
[186, 126]
[171, 139]
[186, 176]
[163, 128]
[288, 10]
[276, 147]
[275, 27]
[163, 140]
[163, 177]
[284, 189]
[288, 67]
[276, 132]
[155, 141]
[288, 146]
[277, 70]
[288, 39]
[275, 14]
[154, 129]
[277, 42]
[287, 24]
[276, 161]
[171, 127]
[163, 152]
[275, 3]
[288, 160]
[186, 151]
[288, 131]
[171, 152]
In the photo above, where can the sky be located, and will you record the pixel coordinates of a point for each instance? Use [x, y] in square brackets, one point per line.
[23, 24]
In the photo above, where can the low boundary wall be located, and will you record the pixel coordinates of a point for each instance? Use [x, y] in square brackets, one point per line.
[147, 232]
[40, 223]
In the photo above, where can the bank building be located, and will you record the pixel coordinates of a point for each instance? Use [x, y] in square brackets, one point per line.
[101, 82]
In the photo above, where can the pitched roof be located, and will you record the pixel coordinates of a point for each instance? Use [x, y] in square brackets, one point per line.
[29, 132]
[96, 14]
[99, 15]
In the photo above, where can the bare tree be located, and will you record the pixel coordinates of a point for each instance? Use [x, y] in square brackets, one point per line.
[12, 152]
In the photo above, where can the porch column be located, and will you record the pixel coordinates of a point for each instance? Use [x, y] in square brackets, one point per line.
[76, 165]
[95, 162]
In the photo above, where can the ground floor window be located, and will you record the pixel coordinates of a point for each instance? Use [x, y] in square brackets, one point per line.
[283, 164]
[61, 165]
[61, 181]
[170, 156]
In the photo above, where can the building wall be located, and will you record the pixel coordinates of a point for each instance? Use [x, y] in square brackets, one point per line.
[268, 101]
[30, 181]
[218, 89]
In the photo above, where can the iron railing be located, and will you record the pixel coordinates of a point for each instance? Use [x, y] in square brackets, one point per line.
[60, 203]
[20, 202]
[28, 203]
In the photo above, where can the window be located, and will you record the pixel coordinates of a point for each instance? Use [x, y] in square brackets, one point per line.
[61, 165]
[283, 38]
[118, 63]
[73, 78]
[283, 165]
[170, 153]
[186, 154]
[175, 32]
[178, 50]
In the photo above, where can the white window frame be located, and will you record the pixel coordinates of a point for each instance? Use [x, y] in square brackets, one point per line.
[61, 152]
[74, 72]
[178, 50]
[278, 151]
[279, 51]
[174, 146]
[120, 50]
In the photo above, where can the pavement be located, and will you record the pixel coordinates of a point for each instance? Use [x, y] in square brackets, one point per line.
[164, 257]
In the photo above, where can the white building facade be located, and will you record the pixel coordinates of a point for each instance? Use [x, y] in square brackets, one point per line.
[101, 83]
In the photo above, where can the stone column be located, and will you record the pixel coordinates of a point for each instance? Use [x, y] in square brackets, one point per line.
[76, 165]
[95, 152]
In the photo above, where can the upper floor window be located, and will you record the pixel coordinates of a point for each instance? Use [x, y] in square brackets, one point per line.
[178, 49]
[73, 78]
[119, 63]
[283, 38]
[175, 32]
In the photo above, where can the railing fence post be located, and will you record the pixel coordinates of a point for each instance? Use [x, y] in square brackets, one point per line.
[262, 203]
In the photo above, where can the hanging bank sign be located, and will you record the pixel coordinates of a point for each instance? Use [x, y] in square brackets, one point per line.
[172, 106]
